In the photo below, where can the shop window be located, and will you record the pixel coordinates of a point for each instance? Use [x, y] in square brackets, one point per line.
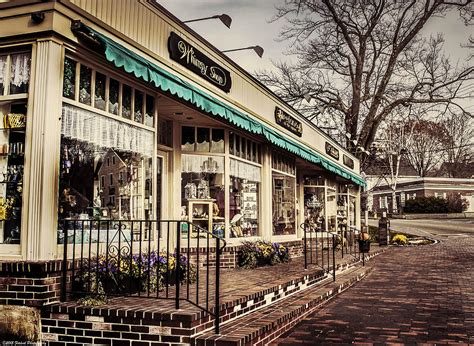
[244, 148]
[85, 78]
[165, 132]
[203, 193]
[88, 142]
[138, 107]
[20, 73]
[237, 146]
[187, 138]
[352, 211]
[114, 91]
[109, 94]
[283, 163]
[126, 101]
[99, 100]
[69, 84]
[331, 206]
[203, 139]
[15, 73]
[231, 143]
[313, 180]
[12, 148]
[149, 110]
[342, 207]
[244, 199]
[314, 206]
[217, 144]
[3, 73]
[283, 204]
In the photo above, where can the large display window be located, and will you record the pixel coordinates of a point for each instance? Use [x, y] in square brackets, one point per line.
[314, 202]
[244, 199]
[283, 195]
[203, 192]
[12, 161]
[106, 168]
[14, 84]
[331, 205]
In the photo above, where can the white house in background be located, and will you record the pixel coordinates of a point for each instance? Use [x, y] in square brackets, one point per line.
[423, 187]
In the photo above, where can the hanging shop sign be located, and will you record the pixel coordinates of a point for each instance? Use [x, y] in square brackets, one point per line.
[332, 151]
[194, 60]
[348, 161]
[288, 122]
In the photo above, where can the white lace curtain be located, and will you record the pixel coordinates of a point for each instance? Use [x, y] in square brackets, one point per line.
[3, 68]
[20, 69]
[244, 170]
[93, 128]
[202, 164]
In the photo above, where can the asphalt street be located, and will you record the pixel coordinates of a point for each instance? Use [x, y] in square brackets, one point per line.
[425, 227]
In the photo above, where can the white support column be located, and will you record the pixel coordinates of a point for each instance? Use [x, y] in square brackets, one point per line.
[266, 226]
[358, 211]
[42, 152]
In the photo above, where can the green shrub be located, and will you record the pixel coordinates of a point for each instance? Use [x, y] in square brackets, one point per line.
[456, 204]
[400, 239]
[259, 253]
[434, 205]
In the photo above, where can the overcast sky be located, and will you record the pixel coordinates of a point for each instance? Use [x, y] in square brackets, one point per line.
[250, 26]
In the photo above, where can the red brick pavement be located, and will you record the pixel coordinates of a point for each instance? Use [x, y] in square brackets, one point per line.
[413, 295]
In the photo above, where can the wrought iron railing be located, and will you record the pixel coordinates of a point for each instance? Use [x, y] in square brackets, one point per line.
[323, 248]
[165, 259]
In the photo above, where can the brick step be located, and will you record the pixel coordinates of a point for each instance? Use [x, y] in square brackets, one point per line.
[266, 324]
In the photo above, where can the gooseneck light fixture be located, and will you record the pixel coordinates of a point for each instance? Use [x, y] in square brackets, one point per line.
[224, 18]
[259, 50]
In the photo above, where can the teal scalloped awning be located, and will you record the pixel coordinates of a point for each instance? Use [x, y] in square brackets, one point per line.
[141, 68]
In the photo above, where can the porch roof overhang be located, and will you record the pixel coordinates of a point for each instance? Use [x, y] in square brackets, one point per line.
[165, 81]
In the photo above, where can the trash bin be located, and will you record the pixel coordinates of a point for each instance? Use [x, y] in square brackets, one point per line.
[384, 234]
[364, 242]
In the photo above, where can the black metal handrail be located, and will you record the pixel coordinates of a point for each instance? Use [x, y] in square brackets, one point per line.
[321, 248]
[316, 247]
[142, 258]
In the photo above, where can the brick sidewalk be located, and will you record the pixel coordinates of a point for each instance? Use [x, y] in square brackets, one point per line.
[413, 295]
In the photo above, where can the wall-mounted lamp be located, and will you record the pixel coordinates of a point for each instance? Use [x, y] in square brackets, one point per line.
[224, 18]
[259, 50]
[37, 17]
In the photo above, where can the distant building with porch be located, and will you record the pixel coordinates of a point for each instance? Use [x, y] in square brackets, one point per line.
[422, 187]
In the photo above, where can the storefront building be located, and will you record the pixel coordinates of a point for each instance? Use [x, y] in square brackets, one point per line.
[124, 113]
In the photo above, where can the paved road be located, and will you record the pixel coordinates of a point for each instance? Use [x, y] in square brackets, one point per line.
[413, 295]
[432, 227]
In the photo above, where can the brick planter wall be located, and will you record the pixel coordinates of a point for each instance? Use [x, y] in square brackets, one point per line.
[230, 254]
[30, 283]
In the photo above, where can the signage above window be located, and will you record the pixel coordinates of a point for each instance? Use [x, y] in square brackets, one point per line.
[348, 161]
[332, 151]
[194, 60]
[288, 122]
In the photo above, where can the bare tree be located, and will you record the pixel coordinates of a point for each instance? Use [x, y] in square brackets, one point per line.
[363, 60]
[427, 148]
[459, 149]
